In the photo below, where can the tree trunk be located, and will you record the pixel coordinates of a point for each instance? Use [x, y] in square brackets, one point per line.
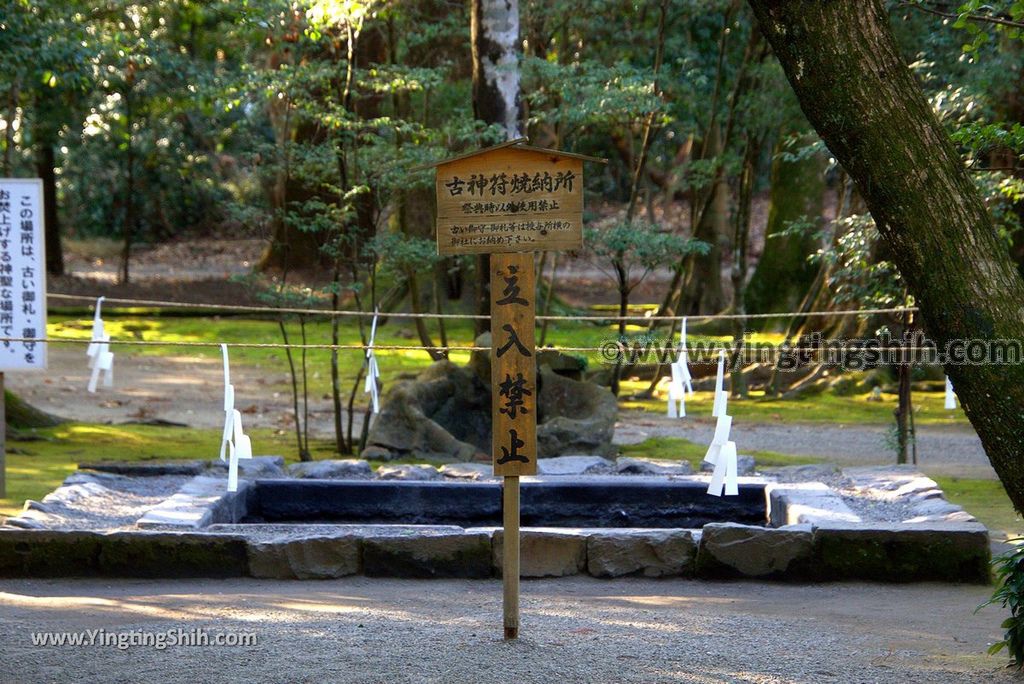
[702, 288]
[740, 242]
[854, 86]
[494, 29]
[129, 190]
[783, 273]
[45, 166]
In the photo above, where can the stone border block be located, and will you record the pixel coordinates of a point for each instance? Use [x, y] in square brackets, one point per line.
[944, 552]
[200, 502]
[545, 552]
[172, 554]
[464, 555]
[730, 550]
[646, 552]
[308, 558]
[806, 502]
[52, 553]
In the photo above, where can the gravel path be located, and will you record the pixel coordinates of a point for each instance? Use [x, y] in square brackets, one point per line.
[189, 389]
[942, 450]
[574, 630]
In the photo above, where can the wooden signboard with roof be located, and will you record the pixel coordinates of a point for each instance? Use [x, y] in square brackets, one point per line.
[510, 201]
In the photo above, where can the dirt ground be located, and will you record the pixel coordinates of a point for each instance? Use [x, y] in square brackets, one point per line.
[145, 386]
[573, 630]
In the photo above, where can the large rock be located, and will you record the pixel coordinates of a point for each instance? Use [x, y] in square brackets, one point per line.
[332, 469]
[545, 552]
[309, 558]
[651, 553]
[574, 465]
[626, 465]
[574, 417]
[445, 414]
[731, 550]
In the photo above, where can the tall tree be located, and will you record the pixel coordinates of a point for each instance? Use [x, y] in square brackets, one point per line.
[495, 37]
[784, 274]
[856, 89]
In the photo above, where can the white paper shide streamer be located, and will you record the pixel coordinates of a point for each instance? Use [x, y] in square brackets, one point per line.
[372, 385]
[681, 383]
[950, 395]
[235, 444]
[722, 451]
[101, 359]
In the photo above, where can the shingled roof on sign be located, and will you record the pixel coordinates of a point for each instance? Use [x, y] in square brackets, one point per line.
[518, 144]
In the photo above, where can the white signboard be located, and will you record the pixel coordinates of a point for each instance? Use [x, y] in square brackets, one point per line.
[22, 274]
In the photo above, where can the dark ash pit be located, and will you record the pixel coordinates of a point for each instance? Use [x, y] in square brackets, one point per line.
[595, 502]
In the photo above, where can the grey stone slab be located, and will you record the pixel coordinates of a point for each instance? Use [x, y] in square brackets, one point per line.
[730, 550]
[262, 532]
[628, 465]
[574, 465]
[647, 552]
[332, 469]
[408, 471]
[806, 502]
[305, 558]
[803, 473]
[147, 468]
[253, 468]
[468, 471]
[200, 502]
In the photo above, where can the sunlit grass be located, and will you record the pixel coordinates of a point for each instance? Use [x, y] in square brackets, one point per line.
[825, 407]
[822, 408]
[986, 500]
[37, 466]
[676, 448]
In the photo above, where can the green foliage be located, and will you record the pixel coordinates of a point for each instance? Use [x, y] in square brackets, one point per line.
[401, 255]
[640, 244]
[1009, 571]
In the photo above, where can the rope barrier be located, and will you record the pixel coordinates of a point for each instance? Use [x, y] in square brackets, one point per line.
[399, 314]
[623, 348]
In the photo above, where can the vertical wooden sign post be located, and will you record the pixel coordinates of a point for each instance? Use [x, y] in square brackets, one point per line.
[510, 201]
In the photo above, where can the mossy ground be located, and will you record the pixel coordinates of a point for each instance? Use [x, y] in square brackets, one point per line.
[36, 467]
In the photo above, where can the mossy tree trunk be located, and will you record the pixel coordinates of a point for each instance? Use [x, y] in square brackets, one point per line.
[854, 86]
[702, 286]
[783, 274]
[20, 415]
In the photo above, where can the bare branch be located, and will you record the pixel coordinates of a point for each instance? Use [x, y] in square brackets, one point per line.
[980, 18]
